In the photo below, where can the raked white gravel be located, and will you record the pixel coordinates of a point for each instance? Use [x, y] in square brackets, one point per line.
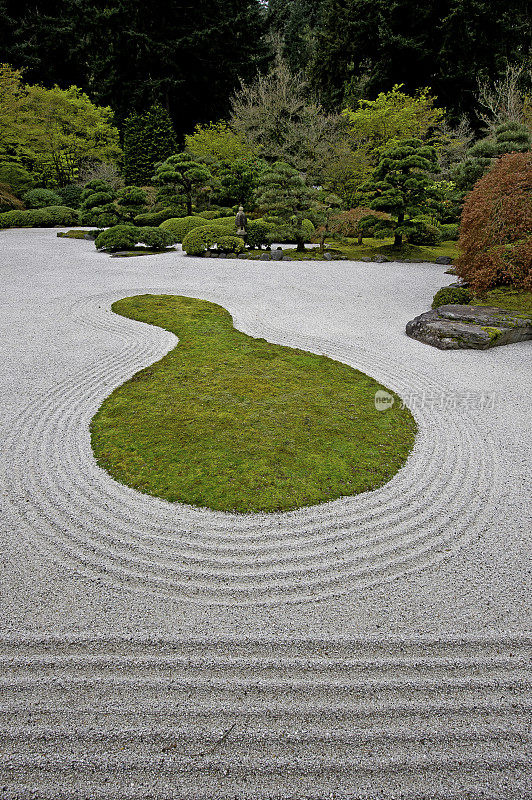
[373, 647]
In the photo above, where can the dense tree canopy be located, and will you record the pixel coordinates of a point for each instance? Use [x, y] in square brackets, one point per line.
[53, 132]
[366, 46]
[126, 54]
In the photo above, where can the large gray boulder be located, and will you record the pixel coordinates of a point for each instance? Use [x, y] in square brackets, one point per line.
[456, 327]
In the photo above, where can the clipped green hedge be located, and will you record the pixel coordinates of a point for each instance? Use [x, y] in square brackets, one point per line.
[151, 218]
[49, 217]
[180, 226]
[451, 295]
[231, 244]
[126, 237]
[201, 238]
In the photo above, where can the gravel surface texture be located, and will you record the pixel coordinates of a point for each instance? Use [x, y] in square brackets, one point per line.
[372, 647]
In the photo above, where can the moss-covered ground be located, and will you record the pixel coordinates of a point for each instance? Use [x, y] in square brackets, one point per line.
[234, 423]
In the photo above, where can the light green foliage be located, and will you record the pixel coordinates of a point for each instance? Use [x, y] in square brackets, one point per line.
[286, 200]
[393, 115]
[180, 226]
[15, 175]
[451, 295]
[188, 177]
[155, 238]
[53, 131]
[201, 238]
[233, 423]
[402, 184]
[216, 143]
[276, 114]
[40, 198]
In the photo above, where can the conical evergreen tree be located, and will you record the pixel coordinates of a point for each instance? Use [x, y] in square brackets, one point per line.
[148, 139]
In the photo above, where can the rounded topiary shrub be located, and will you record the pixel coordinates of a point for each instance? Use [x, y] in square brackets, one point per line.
[451, 295]
[201, 238]
[496, 229]
[119, 237]
[155, 217]
[180, 226]
[40, 198]
[52, 216]
[231, 244]
[257, 235]
[155, 238]
[423, 232]
[126, 237]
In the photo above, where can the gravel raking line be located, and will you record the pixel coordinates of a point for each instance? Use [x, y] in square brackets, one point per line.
[143, 719]
[153, 650]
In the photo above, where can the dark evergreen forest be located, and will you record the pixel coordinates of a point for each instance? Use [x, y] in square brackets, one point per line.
[190, 56]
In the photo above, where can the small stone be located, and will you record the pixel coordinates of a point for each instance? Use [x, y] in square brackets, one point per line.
[327, 256]
[264, 257]
[380, 259]
[443, 260]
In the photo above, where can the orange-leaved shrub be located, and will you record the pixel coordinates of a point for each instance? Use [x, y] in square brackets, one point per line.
[496, 228]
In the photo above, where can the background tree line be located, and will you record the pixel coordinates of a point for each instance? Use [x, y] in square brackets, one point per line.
[190, 56]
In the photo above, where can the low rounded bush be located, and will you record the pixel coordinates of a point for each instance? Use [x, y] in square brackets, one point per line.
[97, 199]
[126, 237]
[180, 226]
[231, 244]
[155, 238]
[119, 237]
[40, 198]
[52, 216]
[201, 238]
[496, 229]
[49, 217]
[155, 217]
[423, 232]
[257, 234]
[209, 214]
[449, 232]
[451, 295]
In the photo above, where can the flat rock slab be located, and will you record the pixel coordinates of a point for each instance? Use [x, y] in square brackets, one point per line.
[457, 327]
